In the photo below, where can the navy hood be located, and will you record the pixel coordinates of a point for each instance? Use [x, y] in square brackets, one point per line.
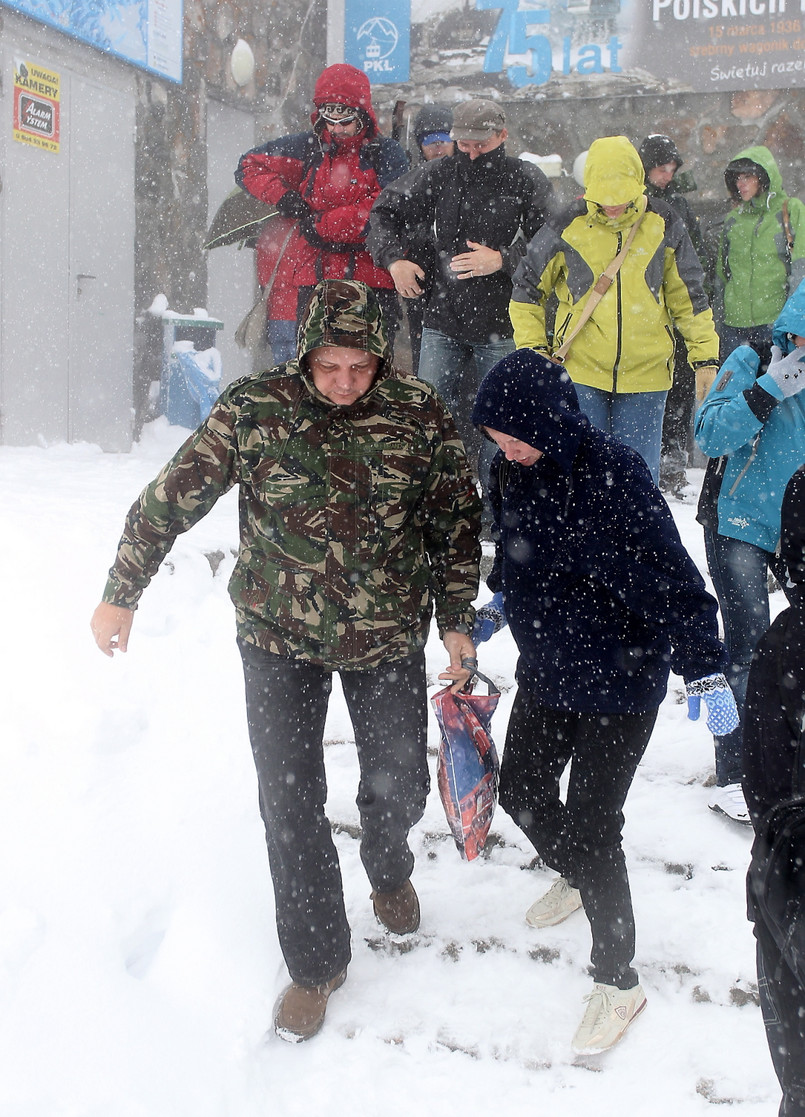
[531, 398]
[791, 320]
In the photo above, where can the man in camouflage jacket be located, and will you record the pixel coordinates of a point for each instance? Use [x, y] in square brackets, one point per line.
[358, 517]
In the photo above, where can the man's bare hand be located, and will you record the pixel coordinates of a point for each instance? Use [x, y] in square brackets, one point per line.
[111, 625]
[459, 647]
[480, 261]
[407, 277]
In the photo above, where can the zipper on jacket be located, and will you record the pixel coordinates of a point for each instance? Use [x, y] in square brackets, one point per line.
[619, 320]
[749, 461]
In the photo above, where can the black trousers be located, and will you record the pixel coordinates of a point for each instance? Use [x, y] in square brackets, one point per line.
[782, 1001]
[677, 427]
[580, 838]
[286, 705]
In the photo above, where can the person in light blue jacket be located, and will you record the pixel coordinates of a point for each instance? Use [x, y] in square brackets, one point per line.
[752, 428]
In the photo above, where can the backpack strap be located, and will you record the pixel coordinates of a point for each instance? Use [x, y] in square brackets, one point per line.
[600, 288]
[789, 236]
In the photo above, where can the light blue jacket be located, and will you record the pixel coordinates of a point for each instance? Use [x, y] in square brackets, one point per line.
[761, 435]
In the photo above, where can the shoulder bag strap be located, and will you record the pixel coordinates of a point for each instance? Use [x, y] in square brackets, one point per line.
[602, 285]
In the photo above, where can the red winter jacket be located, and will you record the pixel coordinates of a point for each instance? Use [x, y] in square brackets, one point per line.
[339, 181]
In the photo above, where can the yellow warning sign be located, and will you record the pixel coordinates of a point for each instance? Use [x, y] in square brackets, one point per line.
[36, 105]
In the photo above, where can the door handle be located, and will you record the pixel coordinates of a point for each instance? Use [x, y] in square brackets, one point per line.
[80, 279]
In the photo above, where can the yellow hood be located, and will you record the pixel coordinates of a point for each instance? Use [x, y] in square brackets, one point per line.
[613, 173]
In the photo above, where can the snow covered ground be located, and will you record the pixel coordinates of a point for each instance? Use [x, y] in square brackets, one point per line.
[138, 957]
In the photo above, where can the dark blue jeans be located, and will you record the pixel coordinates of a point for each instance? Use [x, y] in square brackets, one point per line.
[282, 339]
[455, 369]
[286, 705]
[580, 838]
[740, 578]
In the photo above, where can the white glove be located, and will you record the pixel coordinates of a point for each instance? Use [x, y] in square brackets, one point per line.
[787, 372]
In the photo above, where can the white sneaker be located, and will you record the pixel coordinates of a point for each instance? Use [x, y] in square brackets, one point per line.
[555, 906]
[609, 1013]
[730, 801]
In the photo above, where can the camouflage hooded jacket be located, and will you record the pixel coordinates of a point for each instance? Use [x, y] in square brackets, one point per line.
[354, 521]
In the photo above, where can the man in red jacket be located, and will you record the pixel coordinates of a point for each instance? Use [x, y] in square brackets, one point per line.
[326, 180]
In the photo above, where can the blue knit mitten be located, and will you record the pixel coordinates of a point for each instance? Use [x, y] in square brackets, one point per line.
[722, 713]
[489, 619]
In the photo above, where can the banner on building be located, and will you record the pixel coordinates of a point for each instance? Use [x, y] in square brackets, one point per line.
[147, 33]
[377, 38]
[37, 105]
[694, 45]
[723, 44]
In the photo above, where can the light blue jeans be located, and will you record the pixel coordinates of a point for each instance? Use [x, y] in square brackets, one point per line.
[455, 369]
[634, 418]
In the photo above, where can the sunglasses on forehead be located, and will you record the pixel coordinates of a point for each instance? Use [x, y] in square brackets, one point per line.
[338, 114]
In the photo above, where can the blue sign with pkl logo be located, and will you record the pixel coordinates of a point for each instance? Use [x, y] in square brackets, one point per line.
[377, 37]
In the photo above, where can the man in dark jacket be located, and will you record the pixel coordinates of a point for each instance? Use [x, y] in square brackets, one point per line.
[602, 600]
[358, 520]
[431, 128]
[483, 207]
[661, 161]
[326, 180]
[774, 771]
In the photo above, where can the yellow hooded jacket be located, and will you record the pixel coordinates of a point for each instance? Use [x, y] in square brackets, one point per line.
[628, 343]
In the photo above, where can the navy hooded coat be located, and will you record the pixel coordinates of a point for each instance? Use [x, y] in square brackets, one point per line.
[600, 594]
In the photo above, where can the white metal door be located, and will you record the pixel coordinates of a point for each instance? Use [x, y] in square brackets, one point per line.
[67, 256]
[101, 271]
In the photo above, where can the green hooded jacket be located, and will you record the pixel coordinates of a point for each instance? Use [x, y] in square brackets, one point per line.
[355, 521]
[757, 269]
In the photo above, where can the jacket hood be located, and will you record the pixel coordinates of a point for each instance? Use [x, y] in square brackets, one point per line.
[791, 320]
[657, 150]
[343, 84]
[613, 173]
[757, 160]
[346, 314]
[792, 539]
[531, 398]
[431, 119]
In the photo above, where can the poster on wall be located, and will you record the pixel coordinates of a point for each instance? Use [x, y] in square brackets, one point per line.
[377, 38]
[37, 105]
[147, 33]
[693, 45]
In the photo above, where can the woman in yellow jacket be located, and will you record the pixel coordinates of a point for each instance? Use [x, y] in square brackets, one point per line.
[622, 359]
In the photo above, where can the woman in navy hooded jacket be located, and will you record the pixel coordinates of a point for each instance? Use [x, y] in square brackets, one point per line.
[602, 600]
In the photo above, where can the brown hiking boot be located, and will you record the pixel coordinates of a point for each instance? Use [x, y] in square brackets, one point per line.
[398, 911]
[300, 1010]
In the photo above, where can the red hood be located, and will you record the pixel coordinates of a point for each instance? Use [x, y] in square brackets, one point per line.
[343, 84]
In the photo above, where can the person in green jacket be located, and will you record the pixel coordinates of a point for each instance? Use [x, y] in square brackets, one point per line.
[358, 521]
[761, 255]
